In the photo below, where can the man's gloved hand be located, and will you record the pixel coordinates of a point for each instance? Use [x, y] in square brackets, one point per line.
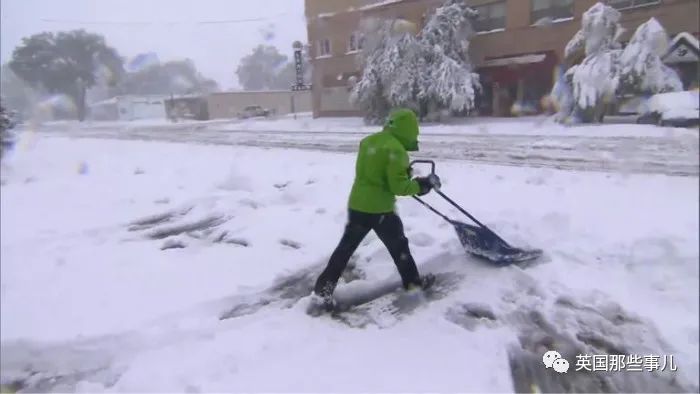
[424, 184]
[435, 181]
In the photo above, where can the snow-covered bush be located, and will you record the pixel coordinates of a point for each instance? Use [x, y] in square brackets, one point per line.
[429, 73]
[608, 71]
[641, 69]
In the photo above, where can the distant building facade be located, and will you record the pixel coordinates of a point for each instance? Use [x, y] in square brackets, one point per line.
[231, 104]
[517, 50]
[129, 107]
[219, 105]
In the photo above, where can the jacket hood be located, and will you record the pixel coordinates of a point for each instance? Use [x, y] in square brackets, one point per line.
[403, 124]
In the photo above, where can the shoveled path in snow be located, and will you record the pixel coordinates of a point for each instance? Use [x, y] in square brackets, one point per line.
[676, 153]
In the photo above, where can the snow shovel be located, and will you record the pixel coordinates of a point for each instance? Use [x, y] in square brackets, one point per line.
[480, 240]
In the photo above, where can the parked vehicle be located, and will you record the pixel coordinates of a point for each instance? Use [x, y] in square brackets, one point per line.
[676, 109]
[253, 111]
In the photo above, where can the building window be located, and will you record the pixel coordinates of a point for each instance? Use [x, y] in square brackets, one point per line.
[324, 47]
[356, 43]
[626, 4]
[551, 9]
[491, 17]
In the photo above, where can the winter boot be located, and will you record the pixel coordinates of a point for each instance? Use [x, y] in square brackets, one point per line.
[326, 302]
[322, 301]
[423, 284]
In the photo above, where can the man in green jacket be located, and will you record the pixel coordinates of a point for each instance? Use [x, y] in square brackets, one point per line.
[381, 174]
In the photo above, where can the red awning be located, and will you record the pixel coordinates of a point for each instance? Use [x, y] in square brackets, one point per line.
[510, 69]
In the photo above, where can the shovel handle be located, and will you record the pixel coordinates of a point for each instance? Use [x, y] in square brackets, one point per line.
[432, 164]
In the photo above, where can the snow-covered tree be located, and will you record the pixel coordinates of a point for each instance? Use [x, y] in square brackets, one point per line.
[608, 71]
[66, 63]
[576, 45]
[448, 82]
[641, 69]
[402, 87]
[429, 73]
[593, 83]
[386, 67]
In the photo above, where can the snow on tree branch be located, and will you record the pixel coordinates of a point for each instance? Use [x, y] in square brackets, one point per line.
[641, 69]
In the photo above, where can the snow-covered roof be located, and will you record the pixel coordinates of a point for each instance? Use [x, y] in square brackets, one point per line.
[250, 92]
[688, 37]
[684, 48]
[184, 96]
[116, 99]
[113, 100]
[371, 6]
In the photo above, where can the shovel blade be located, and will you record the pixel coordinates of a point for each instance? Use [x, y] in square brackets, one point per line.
[482, 243]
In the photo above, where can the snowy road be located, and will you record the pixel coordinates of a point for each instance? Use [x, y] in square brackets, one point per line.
[120, 257]
[674, 154]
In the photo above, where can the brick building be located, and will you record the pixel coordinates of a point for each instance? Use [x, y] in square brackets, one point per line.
[517, 49]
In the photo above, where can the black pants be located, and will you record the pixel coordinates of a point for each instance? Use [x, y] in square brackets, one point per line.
[389, 229]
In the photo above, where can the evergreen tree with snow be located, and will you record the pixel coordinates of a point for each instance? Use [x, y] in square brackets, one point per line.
[586, 88]
[641, 69]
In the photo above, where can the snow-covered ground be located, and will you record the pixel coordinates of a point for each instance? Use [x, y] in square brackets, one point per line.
[119, 257]
[534, 142]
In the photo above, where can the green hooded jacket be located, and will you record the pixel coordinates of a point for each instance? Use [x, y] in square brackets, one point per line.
[381, 169]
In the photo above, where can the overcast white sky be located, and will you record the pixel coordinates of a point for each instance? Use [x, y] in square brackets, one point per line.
[171, 28]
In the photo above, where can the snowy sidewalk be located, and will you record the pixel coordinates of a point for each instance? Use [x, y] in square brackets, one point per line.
[118, 257]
